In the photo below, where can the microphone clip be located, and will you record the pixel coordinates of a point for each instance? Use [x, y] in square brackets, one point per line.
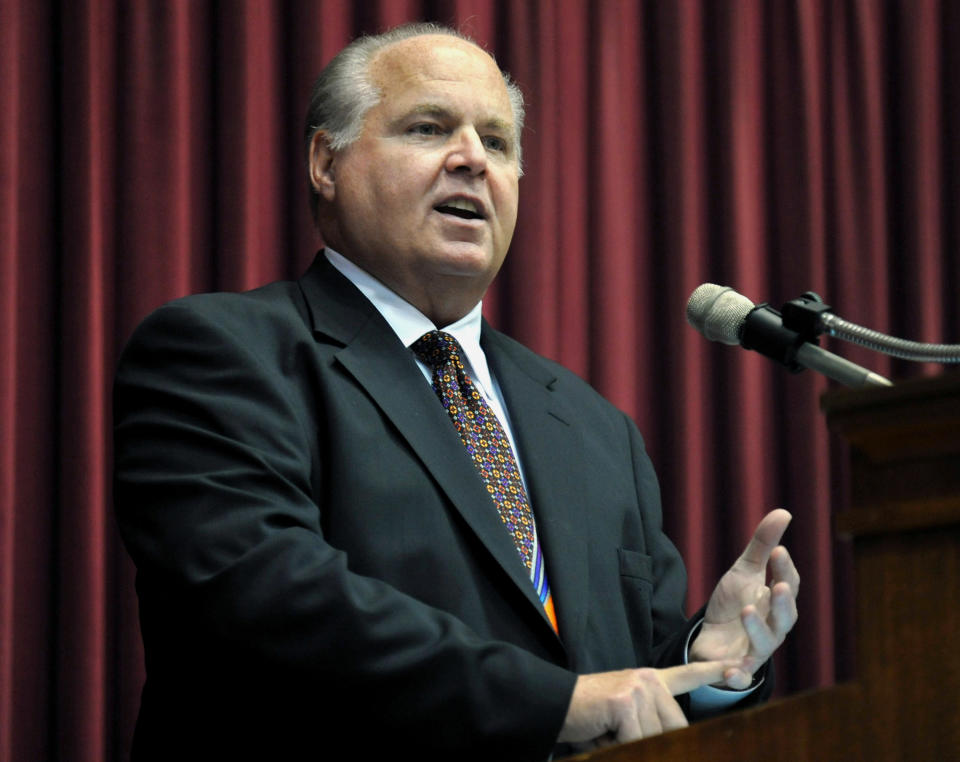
[780, 335]
[805, 315]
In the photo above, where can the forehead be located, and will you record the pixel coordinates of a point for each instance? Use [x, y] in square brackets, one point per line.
[444, 65]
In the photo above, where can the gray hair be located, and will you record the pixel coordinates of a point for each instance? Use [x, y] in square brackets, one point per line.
[343, 93]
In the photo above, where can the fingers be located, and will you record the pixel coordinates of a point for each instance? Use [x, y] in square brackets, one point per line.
[669, 714]
[763, 641]
[739, 680]
[634, 703]
[767, 634]
[689, 677]
[621, 706]
[782, 569]
[783, 611]
[784, 586]
[648, 707]
[766, 537]
[775, 611]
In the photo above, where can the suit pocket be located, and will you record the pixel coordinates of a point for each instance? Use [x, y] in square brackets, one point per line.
[635, 564]
[636, 584]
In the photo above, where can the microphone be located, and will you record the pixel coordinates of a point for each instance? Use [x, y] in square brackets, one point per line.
[718, 312]
[721, 314]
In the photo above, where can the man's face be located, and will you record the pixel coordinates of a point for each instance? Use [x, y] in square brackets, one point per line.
[426, 198]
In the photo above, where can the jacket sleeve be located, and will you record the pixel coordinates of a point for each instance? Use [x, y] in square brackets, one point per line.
[247, 612]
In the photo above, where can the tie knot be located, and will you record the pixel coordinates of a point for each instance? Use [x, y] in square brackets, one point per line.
[436, 349]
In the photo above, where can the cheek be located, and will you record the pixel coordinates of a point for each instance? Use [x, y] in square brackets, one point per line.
[508, 214]
[395, 197]
[369, 186]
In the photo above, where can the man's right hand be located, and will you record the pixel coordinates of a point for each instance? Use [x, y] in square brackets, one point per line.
[616, 707]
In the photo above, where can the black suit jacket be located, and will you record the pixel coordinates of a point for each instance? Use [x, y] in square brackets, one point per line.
[319, 567]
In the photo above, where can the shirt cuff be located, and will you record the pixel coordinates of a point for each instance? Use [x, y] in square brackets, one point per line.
[708, 700]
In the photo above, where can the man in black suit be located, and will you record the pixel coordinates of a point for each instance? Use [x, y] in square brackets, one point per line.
[321, 569]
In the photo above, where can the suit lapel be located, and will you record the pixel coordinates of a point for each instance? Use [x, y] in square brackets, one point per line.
[378, 361]
[551, 453]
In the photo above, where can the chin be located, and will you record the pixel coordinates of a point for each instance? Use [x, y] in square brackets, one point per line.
[466, 259]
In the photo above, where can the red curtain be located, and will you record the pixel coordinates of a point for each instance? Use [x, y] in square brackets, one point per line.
[149, 149]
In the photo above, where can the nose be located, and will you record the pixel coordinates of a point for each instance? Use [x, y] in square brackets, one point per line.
[467, 153]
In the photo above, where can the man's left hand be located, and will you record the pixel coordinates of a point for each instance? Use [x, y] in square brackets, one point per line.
[748, 617]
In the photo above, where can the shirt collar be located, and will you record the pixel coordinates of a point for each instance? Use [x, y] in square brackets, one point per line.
[409, 323]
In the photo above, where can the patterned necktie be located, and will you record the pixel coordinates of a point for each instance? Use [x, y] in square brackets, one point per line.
[488, 445]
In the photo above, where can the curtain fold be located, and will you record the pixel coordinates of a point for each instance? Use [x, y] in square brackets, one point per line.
[28, 381]
[152, 149]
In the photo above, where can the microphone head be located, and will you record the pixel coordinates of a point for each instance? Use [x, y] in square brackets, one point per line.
[718, 312]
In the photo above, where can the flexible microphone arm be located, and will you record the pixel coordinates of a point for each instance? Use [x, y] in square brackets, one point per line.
[836, 326]
[809, 316]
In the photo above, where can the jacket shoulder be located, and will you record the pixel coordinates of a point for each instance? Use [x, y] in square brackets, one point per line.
[273, 313]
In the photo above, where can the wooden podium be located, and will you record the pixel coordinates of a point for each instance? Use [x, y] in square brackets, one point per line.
[904, 520]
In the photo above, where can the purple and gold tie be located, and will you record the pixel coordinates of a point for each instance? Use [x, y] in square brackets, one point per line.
[488, 445]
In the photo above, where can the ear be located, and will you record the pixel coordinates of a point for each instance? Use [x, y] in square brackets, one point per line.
[321, 166]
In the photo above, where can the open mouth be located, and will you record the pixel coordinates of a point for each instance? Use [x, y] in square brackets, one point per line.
[462, 208]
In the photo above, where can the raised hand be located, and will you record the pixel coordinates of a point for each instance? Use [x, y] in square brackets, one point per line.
[748, 617]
